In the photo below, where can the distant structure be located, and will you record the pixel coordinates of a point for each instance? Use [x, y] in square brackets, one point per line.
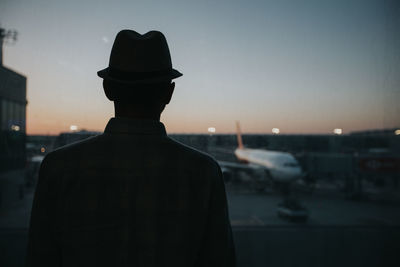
[378, 132]
[71, 137]
[12, 111]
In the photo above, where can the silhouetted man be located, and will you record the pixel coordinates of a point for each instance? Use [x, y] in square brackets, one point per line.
[131, 196]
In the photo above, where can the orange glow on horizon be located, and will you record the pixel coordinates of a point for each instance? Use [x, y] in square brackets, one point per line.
[51, 126]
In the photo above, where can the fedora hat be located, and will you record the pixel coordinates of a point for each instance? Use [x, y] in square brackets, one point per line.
[137, 58]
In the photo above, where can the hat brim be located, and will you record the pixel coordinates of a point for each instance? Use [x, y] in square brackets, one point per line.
[170, 75]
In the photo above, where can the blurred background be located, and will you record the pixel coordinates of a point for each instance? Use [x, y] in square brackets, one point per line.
[314, 86]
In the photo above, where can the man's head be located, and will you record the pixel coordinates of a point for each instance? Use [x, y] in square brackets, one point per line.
[140, 71]
[147, 98]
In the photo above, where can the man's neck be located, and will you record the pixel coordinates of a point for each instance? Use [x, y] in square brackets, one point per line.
[122, 111]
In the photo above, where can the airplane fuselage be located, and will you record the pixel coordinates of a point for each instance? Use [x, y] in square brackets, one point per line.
[282, 166]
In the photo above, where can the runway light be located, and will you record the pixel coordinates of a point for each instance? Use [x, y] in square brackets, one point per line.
[42, 149]
[73, 127]
[15, 128]
[211, 130]
[275, 131]
[397, 132]
[337, 131]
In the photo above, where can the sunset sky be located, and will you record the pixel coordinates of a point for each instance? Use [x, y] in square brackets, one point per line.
[301, 66]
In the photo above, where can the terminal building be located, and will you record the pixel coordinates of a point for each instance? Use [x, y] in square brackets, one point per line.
[12, 116]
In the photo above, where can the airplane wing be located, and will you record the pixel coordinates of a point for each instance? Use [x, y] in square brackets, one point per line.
[239, 166]
[255, 176]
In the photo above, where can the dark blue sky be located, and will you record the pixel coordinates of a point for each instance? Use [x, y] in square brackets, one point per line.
[301, 66]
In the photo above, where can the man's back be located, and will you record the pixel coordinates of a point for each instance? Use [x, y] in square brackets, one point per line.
[130, 197]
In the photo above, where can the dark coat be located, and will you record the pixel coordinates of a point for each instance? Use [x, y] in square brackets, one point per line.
[130, 197]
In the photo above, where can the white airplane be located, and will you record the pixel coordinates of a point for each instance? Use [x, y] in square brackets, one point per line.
[280, 167]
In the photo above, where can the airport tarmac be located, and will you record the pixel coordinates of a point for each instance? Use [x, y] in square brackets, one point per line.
[261, 210]
[247, 208]
[338, 232]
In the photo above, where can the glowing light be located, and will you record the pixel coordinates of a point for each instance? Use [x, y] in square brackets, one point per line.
[73, 127]
[337, 131]
[15, 128]
[397, 132]
[211, 130]
[42, 149]
[275, 131]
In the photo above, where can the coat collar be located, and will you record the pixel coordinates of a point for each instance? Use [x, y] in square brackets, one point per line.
[134, 126]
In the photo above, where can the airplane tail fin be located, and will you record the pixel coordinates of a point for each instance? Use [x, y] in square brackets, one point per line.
[239, 135]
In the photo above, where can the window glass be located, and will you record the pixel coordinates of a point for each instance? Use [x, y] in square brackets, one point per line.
[5, 114]
[297, 101]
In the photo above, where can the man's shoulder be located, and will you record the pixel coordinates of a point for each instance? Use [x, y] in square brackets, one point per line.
[192, 155]
[94, 146]
[70, 151]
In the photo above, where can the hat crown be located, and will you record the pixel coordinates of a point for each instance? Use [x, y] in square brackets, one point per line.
[137, 58]
[134, 52]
